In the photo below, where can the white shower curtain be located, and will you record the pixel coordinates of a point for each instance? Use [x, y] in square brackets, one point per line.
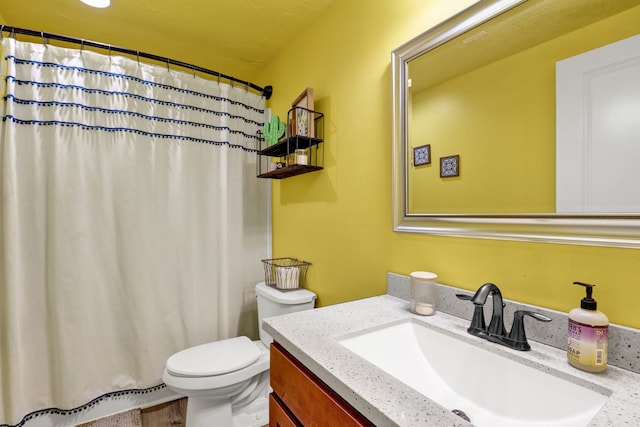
[131, 221]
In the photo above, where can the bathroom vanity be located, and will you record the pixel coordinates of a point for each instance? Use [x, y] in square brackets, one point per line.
[309, 348]
[300, 397]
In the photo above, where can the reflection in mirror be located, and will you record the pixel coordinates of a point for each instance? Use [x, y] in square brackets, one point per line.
[488, 93]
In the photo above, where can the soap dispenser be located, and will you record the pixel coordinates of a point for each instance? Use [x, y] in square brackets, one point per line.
[588, 334]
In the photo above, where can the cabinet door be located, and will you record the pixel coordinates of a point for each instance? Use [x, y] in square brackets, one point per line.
[279, 415]
[310, 400]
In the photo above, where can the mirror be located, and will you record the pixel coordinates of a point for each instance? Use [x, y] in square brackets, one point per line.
[478, 149]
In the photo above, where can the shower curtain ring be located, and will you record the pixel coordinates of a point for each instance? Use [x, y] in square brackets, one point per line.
[1, 32]
[138, 56]
[168, 69]
[44, 41]
[246, 87]
[219, 75]
[82, 46]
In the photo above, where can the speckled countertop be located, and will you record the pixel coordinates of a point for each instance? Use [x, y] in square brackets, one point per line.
[311, 337]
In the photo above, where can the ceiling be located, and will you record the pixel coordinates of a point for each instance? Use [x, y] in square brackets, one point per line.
[237, 37]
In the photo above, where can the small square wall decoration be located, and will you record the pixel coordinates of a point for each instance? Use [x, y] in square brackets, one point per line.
[449, 166]
[422, 155]
[302, 120]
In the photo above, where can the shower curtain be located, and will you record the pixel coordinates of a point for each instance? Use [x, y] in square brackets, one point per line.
[131, 221]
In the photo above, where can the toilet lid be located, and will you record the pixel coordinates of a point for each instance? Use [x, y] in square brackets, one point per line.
[215, 358]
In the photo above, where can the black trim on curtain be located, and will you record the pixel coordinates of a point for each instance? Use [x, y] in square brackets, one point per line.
[86, 406]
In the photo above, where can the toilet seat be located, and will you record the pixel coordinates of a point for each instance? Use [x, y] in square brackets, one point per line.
[214, 358]
[194, 383]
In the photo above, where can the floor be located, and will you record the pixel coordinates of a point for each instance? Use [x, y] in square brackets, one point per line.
[170, 414]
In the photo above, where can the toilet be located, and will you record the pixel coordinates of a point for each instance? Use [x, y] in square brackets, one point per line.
[226, 382]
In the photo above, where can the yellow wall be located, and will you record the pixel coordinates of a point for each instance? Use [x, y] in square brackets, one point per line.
[340, 218]
[486, 120]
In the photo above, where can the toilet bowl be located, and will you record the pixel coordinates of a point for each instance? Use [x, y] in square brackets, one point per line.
[227, 382]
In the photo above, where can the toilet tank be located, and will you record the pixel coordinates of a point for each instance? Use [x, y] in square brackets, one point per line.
[273, 302]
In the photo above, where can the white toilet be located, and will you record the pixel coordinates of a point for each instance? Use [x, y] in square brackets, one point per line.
[227, 382]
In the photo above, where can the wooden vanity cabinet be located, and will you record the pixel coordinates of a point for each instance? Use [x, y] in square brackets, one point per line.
[300, 398]
[279, 414]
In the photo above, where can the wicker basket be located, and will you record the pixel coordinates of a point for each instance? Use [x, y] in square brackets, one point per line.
[285, 273]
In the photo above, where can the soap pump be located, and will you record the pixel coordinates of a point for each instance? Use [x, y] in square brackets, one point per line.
[588, 334]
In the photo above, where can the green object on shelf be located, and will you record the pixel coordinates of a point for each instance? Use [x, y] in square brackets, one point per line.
[274, 129]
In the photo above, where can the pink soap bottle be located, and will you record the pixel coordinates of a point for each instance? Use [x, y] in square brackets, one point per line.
[588, 335]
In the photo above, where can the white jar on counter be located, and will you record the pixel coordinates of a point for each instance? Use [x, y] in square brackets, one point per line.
[423, 293]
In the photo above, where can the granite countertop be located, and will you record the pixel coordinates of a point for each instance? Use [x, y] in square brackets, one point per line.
[310, 336]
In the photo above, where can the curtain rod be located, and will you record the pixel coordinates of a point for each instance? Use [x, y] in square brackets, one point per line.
[266, 91]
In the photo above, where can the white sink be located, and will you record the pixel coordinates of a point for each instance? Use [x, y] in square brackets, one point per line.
[490, 389]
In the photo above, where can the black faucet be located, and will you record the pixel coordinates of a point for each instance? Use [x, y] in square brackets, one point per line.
[478, 326]
[496, 325]
[496, 332]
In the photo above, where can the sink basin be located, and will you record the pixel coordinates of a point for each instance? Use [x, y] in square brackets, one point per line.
[490, 389]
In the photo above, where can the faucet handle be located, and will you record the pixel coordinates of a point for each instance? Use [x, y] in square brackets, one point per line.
[517, 336]
[478, 326]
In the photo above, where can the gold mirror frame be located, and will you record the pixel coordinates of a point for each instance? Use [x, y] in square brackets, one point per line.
[579, 229]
